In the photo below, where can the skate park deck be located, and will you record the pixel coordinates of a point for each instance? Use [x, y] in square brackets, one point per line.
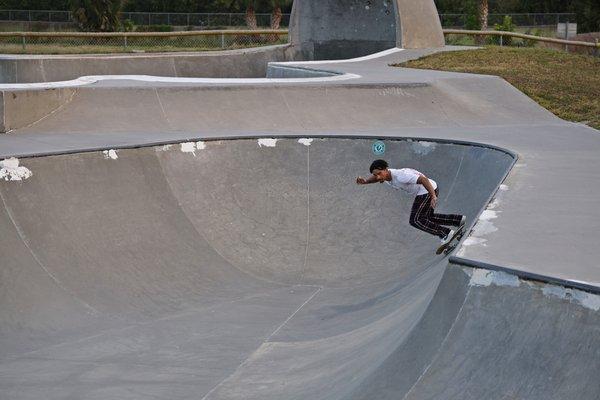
[122, 279]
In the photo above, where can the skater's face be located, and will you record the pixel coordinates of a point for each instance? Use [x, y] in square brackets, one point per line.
[382, 175]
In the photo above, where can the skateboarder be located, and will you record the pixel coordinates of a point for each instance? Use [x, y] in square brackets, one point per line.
[422, 215]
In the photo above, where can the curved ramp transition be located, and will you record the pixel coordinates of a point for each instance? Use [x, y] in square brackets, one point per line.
[257, 269]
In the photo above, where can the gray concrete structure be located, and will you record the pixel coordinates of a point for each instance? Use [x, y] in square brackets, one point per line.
[227, 269]
[339, 29]
[243, 63]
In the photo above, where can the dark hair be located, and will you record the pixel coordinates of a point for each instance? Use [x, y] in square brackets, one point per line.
[378, 164]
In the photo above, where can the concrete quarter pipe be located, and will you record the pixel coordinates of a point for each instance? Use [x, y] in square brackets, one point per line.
[256, 269]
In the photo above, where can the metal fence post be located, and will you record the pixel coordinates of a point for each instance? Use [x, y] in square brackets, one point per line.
[29, 15]
[125, 41]
[500, 40]
[23, 41]
[567, 35]
[222, 40]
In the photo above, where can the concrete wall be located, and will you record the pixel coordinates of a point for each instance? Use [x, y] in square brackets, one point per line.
[420, 25]
[337, 29]
[22, 108]
[246, 63]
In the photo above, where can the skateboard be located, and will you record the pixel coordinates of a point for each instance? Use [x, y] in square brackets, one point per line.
[453, 242]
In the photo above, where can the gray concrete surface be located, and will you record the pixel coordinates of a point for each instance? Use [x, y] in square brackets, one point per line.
[383, 102]
[231, 269]
[223, 269]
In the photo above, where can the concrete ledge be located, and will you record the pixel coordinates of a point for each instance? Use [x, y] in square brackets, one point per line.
[525, 275]
[20, 108]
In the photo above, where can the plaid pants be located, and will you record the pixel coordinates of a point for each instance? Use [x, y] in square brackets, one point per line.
[423, 217]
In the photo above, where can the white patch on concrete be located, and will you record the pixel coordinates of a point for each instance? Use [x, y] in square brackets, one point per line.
[10, 170]
[488, 214]
[110, 154]
[473, 241]
[493, 204]
[503, 187]
[165, 147]
[305, 141]
[92, 79]
[484, 277]
[266, 142]
[470, 241]
[373, 56]
[188, 147]
[396, 91]
[423, 148]
[587, 300]
[191, 147]
[483, 228]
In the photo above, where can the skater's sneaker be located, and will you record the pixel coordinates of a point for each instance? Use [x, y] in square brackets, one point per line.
[448, 237]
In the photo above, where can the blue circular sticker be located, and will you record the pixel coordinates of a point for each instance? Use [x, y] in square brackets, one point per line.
[378, 148]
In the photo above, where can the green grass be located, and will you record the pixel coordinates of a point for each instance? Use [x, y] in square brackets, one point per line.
[567, 85]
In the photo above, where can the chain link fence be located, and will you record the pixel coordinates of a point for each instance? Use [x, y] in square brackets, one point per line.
[531, 20]
[136, 42]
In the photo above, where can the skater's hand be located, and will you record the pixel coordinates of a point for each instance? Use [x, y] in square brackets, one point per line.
[361, 181]
[433, 201]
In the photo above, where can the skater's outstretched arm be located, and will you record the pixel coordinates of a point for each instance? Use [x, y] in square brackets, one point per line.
[423, 180]
[372, 179]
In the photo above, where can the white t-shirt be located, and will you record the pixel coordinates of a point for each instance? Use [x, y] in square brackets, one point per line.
[406, 179]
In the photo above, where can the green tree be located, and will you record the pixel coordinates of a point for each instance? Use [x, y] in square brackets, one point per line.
[97, 15]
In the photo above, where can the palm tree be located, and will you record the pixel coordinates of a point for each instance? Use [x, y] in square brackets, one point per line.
[482, 11]
[276, 15]
[483, 14]
[97, 15]
[249, 6]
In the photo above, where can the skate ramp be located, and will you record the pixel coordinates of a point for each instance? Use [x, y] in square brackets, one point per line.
[258, 269]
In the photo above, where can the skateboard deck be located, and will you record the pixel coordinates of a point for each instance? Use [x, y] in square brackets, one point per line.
[452, 243]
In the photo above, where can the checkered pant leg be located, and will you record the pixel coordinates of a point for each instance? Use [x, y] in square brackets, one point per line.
[423, 217]
[443, 219]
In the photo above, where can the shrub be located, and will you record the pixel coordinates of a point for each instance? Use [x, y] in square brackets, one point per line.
[531, 42]
[128, 25]
[472, 21]
[506, 26]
